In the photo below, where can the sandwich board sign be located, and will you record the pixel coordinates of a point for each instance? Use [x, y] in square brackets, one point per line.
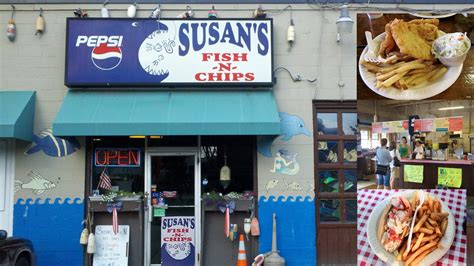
[111, 249]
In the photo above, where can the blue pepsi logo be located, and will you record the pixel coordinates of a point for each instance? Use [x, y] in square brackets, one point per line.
[105, 57]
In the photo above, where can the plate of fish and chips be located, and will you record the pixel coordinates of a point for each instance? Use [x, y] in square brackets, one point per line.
[408, 68]
[389, 227]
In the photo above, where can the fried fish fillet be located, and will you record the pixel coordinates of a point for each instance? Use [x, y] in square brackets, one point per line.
[410, 39]
[388, 44]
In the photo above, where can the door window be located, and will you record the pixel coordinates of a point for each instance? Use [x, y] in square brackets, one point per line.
[335, 161]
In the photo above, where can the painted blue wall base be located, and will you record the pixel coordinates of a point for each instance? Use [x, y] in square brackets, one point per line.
[296, 228]
[53, 227]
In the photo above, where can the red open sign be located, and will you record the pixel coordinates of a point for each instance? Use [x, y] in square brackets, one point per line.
[115, 157]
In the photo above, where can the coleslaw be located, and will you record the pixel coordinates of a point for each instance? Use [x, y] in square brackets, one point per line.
[451, 45]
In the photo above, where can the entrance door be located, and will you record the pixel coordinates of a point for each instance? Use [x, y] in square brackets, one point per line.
[6, 187]
[174, 175]
[335, 140]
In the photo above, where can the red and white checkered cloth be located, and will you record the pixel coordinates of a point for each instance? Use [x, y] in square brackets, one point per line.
[368, 199]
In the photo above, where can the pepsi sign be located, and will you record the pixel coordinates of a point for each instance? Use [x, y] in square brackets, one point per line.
[168, 52]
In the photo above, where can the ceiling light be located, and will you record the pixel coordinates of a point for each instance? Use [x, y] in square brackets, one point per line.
[451, 108]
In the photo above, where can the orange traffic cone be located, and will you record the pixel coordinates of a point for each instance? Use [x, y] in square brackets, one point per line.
[242, 258]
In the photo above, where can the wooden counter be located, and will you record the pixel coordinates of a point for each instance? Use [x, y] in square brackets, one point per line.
[430, 174]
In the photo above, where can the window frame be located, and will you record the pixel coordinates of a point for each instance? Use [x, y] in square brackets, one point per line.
[339, 108]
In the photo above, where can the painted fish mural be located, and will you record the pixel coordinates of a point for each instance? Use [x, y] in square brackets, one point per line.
[38, 184]
[285, 163]
[271, 184]
[290, 126]
[53, 146]
[294, 186]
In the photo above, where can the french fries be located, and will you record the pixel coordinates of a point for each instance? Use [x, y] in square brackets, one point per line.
[405, 74]
[430, 227]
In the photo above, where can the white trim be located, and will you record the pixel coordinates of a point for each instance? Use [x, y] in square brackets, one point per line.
[9, 150]
[173, 151]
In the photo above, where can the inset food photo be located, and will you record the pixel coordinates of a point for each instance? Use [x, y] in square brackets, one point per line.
[411, 227]
[414, 57]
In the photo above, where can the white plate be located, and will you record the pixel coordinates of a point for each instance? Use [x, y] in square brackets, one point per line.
[420, 92]
[389, 258]
[422, 15]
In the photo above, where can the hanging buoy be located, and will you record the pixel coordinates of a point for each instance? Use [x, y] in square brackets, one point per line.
[255, 227]
[91, 244]
[104, 11]
[290, 34]
[212, 13]
[11, 27]
[132, 10]
[40, 23]
[156, 12]
[84, 236]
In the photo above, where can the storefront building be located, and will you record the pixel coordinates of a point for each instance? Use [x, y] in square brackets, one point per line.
[175, 134]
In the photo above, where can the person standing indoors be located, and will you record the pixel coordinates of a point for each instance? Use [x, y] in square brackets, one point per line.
[419, 150]
[394, 165]
[383, 159]
[404, 149]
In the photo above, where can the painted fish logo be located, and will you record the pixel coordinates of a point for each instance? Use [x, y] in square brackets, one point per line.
[38, 184]
[105, 57]
[53, 146]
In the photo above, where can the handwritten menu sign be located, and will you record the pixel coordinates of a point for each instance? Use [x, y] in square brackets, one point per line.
[111, 249]
[177, 241]
[450, 177]
[413, 173]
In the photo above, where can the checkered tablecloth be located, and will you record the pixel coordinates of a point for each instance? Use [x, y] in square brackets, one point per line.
[368, 199]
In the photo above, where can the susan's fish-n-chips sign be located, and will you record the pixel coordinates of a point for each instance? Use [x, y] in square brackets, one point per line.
[168, 52]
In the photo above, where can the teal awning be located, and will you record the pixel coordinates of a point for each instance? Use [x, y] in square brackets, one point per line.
[125, 113]
[17, 112]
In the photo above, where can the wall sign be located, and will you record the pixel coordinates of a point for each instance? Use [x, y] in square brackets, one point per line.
[450, 177]
[169, 52]
[413, 173]
[117, 157]
[110, 248]
[177, 240]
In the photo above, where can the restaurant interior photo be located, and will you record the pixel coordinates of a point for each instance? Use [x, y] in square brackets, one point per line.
[433, 141]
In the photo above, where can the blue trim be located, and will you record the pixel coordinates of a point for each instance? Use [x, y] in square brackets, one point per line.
[296, 228]
[147, 113]
[17, 109]
[53, 227]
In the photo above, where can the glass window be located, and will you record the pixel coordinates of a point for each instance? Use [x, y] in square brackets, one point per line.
[327, 151]
[351, 210]
[328, 181]
[350, 151]
[327, 123]
[364, 134]
[350, 181]
[329, 210]
[349, 123]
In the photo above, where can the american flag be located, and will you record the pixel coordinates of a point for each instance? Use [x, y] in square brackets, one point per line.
[104, 181]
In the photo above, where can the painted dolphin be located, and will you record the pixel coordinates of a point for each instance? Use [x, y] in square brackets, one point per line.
[290, 126]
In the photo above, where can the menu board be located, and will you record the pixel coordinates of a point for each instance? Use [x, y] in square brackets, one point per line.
[111, 249]
[441, 124]
[413, 173]
[420, 125]
[450, 177]
[455, 123]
